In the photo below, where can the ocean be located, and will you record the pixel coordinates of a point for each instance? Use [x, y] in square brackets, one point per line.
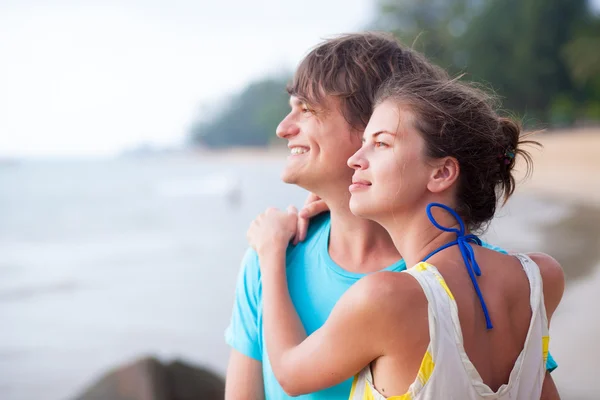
[104, 261]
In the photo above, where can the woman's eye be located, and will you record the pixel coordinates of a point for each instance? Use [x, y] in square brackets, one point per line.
[380, 144]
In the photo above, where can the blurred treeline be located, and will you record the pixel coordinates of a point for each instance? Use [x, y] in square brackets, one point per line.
[542, 57]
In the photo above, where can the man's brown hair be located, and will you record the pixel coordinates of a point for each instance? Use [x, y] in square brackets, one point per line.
[352, 67]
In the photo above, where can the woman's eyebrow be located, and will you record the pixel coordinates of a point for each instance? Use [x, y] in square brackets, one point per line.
[382, 132]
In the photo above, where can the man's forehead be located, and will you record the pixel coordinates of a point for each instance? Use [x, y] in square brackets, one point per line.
[295, 100]
[324, 102]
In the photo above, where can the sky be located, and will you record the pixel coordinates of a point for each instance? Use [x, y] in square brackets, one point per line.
[93, 78]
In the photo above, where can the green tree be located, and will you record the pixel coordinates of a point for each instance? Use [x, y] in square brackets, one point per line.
[430, 26]
[583, 58]
[250, 119]
[516, 46]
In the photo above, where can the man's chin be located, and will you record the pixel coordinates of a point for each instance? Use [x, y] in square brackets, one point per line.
[299, 180]
[287, 177]
[292, 174]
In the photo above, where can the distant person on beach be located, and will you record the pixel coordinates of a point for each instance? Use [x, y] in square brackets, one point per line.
[331, 102]
[465, 322]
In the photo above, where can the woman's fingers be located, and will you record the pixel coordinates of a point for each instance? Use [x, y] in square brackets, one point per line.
[301, 230]
[313, 209]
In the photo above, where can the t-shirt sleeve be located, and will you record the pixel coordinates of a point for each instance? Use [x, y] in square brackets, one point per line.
[492, 247]
[243, 333]
[551, 365]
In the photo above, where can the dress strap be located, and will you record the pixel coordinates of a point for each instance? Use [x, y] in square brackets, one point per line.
[464, 244]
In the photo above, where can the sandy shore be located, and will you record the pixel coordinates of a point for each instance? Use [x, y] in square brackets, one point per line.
[556, 210]
[61, 281]
[567, 170]
[568, 165]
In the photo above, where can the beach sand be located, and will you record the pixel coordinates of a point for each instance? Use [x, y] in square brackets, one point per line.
[567, 170]
[61, 281]
[567, 166]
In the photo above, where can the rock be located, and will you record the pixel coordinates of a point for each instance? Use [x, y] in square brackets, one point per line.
[187, 382]
[149, 379]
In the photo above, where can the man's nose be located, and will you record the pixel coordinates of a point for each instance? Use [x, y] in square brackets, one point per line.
[287, 128]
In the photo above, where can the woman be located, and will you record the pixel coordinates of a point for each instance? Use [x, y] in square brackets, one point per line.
[465, 322]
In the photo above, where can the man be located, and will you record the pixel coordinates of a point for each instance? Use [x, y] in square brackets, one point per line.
[331, 101]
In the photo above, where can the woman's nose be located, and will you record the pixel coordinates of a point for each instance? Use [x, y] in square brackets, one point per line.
[357, 160]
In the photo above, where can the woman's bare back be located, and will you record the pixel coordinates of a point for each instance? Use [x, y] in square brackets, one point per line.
[505, 288]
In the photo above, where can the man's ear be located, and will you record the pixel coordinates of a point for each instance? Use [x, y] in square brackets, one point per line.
[444, 174]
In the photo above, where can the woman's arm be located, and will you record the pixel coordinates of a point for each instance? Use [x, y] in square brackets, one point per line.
[553, 279]
[356, 332]
[347, 342]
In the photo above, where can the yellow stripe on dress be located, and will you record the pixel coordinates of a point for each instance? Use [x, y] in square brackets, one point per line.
[368, 392]
[422, 266]
[370, 396]
[443, 283]
[545, 344]
[405, 396]
[353, 389]
[426, 369]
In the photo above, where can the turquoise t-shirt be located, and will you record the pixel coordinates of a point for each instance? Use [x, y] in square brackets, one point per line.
[315, 282]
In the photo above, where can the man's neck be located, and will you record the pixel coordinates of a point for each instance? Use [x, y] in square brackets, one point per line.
[356, 244]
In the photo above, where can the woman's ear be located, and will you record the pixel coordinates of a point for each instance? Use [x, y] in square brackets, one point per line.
[444, 174]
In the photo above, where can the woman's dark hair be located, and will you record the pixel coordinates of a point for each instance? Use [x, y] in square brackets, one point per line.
[459, 120]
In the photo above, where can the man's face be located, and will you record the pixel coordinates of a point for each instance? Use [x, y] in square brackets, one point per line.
[320, 144]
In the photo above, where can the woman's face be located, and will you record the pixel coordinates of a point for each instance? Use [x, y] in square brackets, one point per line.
[391, 172]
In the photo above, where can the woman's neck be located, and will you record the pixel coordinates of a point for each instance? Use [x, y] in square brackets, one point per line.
[415, 236]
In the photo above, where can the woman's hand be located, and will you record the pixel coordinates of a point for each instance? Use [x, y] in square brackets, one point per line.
[271, 231]
[312, 206]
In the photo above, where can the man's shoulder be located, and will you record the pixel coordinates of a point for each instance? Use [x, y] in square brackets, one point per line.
[318, 225]
[250, 258]
[250, 268]
[316, 238]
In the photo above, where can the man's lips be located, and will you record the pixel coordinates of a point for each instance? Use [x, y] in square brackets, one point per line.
[296, 150]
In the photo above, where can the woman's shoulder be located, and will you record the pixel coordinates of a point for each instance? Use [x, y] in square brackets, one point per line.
[549, 268]
[397, 308]
[551, 272]
[393, 295]
[553, 280]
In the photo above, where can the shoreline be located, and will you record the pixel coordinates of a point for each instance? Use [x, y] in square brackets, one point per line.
[567, 167]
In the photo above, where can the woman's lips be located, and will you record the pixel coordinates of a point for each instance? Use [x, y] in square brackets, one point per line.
[359, 185]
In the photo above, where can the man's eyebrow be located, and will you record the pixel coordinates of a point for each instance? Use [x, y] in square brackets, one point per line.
[295, 101]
